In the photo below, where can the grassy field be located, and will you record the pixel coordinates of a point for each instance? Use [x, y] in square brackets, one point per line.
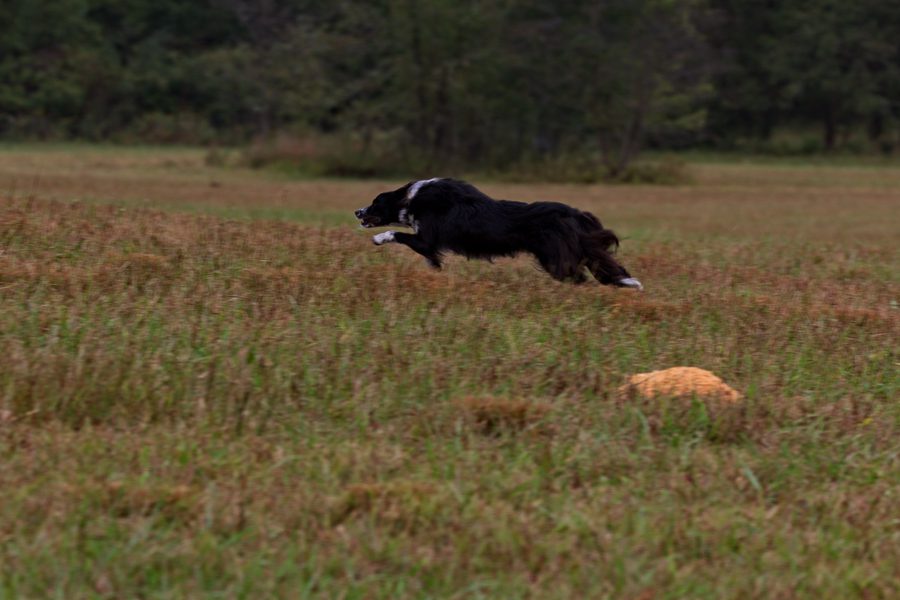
[213, 385]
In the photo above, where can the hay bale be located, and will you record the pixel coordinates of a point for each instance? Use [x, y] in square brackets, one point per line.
[680, 382]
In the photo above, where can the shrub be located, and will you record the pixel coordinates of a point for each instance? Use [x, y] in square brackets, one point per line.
[332, 156]
[162, 128]
[583, 168]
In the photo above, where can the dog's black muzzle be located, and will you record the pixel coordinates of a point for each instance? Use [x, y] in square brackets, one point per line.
[365, 219]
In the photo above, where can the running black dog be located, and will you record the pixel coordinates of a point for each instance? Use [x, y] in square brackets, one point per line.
[452, 215]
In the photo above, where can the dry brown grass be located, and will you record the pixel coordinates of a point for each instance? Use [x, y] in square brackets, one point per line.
[397, 503]
[192, 406]
[491, 415]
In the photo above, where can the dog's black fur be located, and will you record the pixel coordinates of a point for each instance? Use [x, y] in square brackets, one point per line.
[451, 215]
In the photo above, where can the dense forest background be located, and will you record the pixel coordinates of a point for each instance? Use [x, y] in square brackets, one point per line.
[447, 82]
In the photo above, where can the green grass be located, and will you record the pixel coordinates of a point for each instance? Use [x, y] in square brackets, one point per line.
[192, 406]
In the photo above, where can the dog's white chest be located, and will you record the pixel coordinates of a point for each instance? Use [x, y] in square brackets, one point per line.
[406, 218]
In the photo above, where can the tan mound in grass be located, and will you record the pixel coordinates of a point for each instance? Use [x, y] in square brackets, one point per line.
[680, 382]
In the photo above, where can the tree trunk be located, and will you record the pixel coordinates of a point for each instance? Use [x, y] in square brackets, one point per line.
[421, 120]
[630, 135]
[442, 119]
[830, 129]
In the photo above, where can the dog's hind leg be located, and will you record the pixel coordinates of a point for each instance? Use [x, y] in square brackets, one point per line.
[597, 249]
[561, 269]
[609, 272]
[412, 241]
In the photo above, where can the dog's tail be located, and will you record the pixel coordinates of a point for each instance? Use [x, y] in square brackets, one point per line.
[598, 245]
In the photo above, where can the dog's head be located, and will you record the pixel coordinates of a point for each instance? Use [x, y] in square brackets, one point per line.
[384, 210]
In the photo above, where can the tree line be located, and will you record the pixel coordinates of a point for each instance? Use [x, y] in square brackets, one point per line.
[487, 82]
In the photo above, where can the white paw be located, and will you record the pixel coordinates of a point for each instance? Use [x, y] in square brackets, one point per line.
[383, 238]
[631, 282]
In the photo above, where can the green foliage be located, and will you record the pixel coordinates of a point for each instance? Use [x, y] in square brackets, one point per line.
[836, 64]
[446, 85]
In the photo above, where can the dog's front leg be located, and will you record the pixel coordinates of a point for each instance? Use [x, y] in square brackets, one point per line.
[413, 241]
[385, 237]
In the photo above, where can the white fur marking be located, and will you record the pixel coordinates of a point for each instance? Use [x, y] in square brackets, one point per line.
[407, 220]
[383, 238]
[414, 188]
[631, 282]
